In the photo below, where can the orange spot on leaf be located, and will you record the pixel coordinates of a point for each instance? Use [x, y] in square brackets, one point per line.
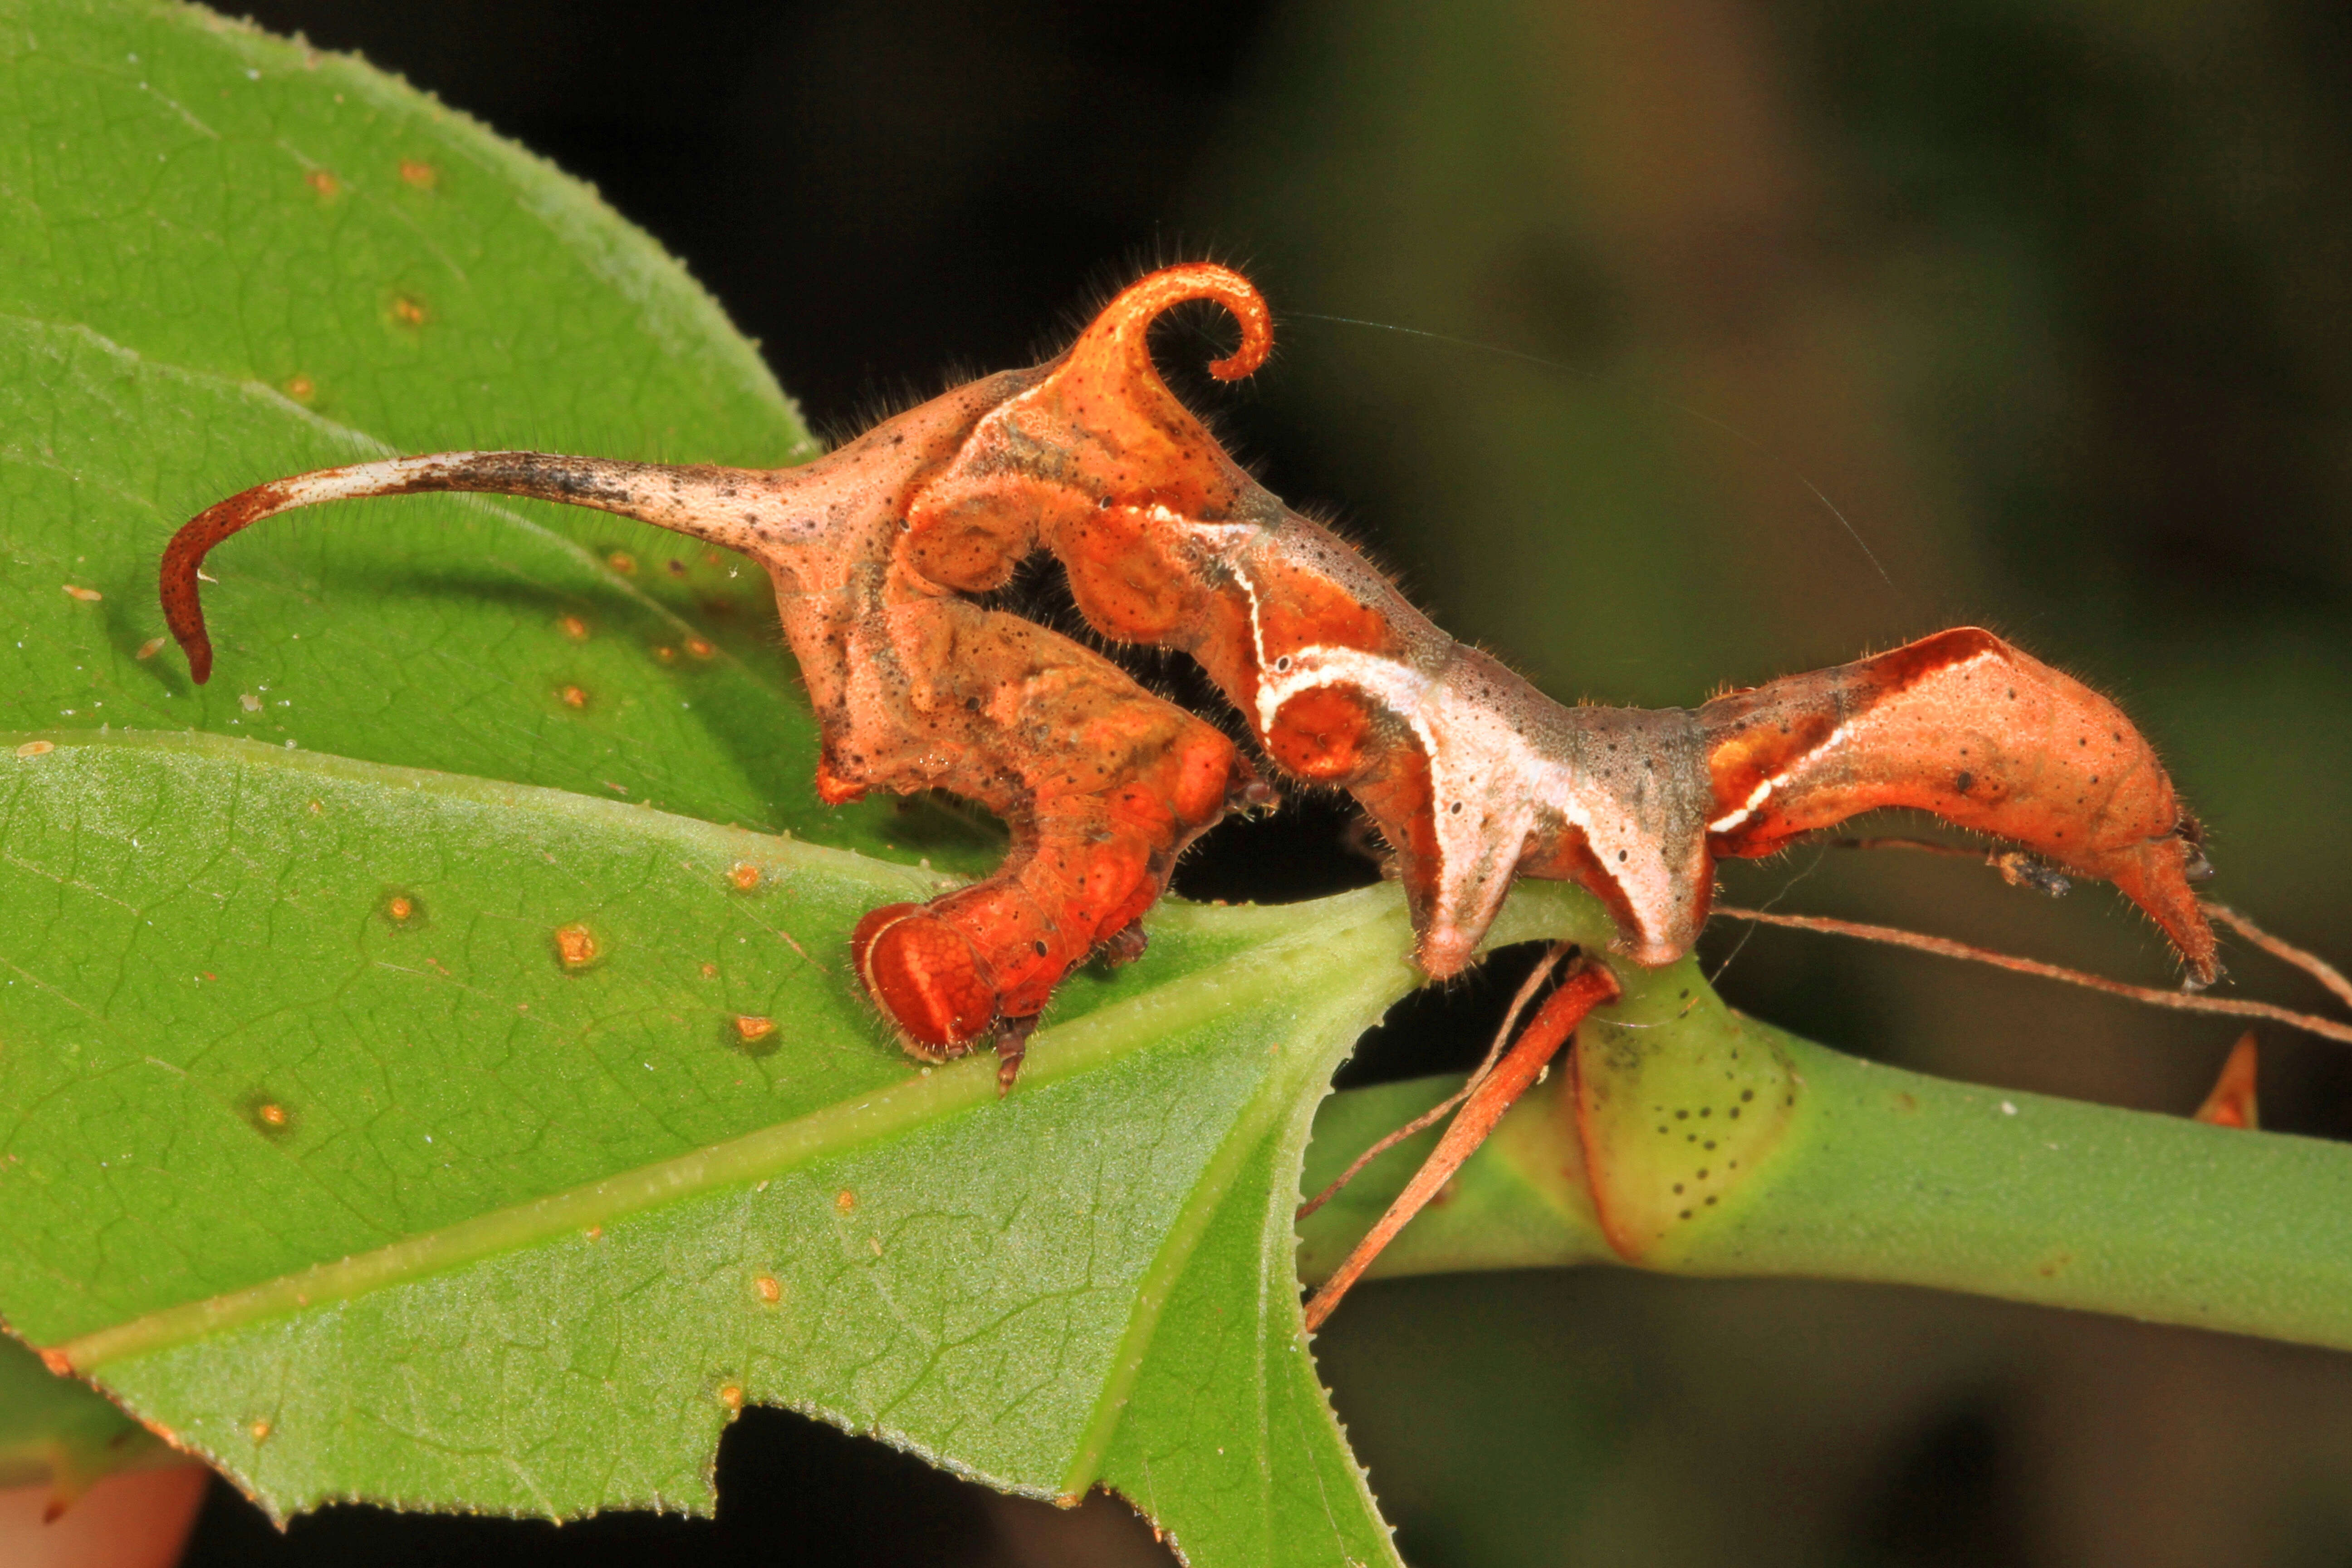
[744, 876]
[260, 1430]
[623, 562]
[149, 648]
[87, 596]
[731, 1397]
[845, 1200]
[421, 174]
[573, 627]
[753, 1027]
[575, 946]
[573, 696]
[407, 311]
[699, 647]
[302, 389]
[37, 748]
[768, 1287]
[325, 183]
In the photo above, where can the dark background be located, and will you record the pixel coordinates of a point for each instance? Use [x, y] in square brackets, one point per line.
[1855, 321]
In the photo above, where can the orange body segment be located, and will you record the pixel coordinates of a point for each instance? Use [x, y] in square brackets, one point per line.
[1963, 725]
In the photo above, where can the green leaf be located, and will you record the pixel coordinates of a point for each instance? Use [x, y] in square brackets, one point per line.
[315, 1153]
[388, 1200]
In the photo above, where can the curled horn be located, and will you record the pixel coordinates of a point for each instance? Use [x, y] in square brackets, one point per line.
[1115, 341]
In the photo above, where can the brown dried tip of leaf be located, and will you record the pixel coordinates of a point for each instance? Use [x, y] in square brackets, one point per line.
[744, 876]
[623, 562]
[87, 596]
[573, 627]
[37, 748]
[700, 649]
[768, 1287]
[753, 1027]
[2233, 1101]
[408, 312]
[845, 1200]
[575, 945]
[573, 696]
[421, 174]
[325, 183]
[149, 648]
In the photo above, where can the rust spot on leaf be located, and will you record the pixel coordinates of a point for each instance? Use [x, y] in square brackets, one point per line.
[573, 696]
[575, 946]
[401, 909]
[752, 1026]
[666, 655]
[419, 173]
[573, 627]
[743, 876]
[260, 1430]
[623, 562]
[87, 596]
[269, 1115]
[408, 311]
[149, 648]
[731, 1397]
[710, 972]
[37, 748]
[699, 647]
[325, 183]
[768, 1288]
[845, 1200]
[302, 389]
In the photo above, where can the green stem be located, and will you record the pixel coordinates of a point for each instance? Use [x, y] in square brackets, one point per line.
[1895, 1177]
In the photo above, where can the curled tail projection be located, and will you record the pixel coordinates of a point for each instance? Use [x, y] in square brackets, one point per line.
[1473, 775]
[1102, 783]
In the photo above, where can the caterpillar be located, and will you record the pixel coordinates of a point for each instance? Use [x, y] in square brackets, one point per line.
[1473, 776]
